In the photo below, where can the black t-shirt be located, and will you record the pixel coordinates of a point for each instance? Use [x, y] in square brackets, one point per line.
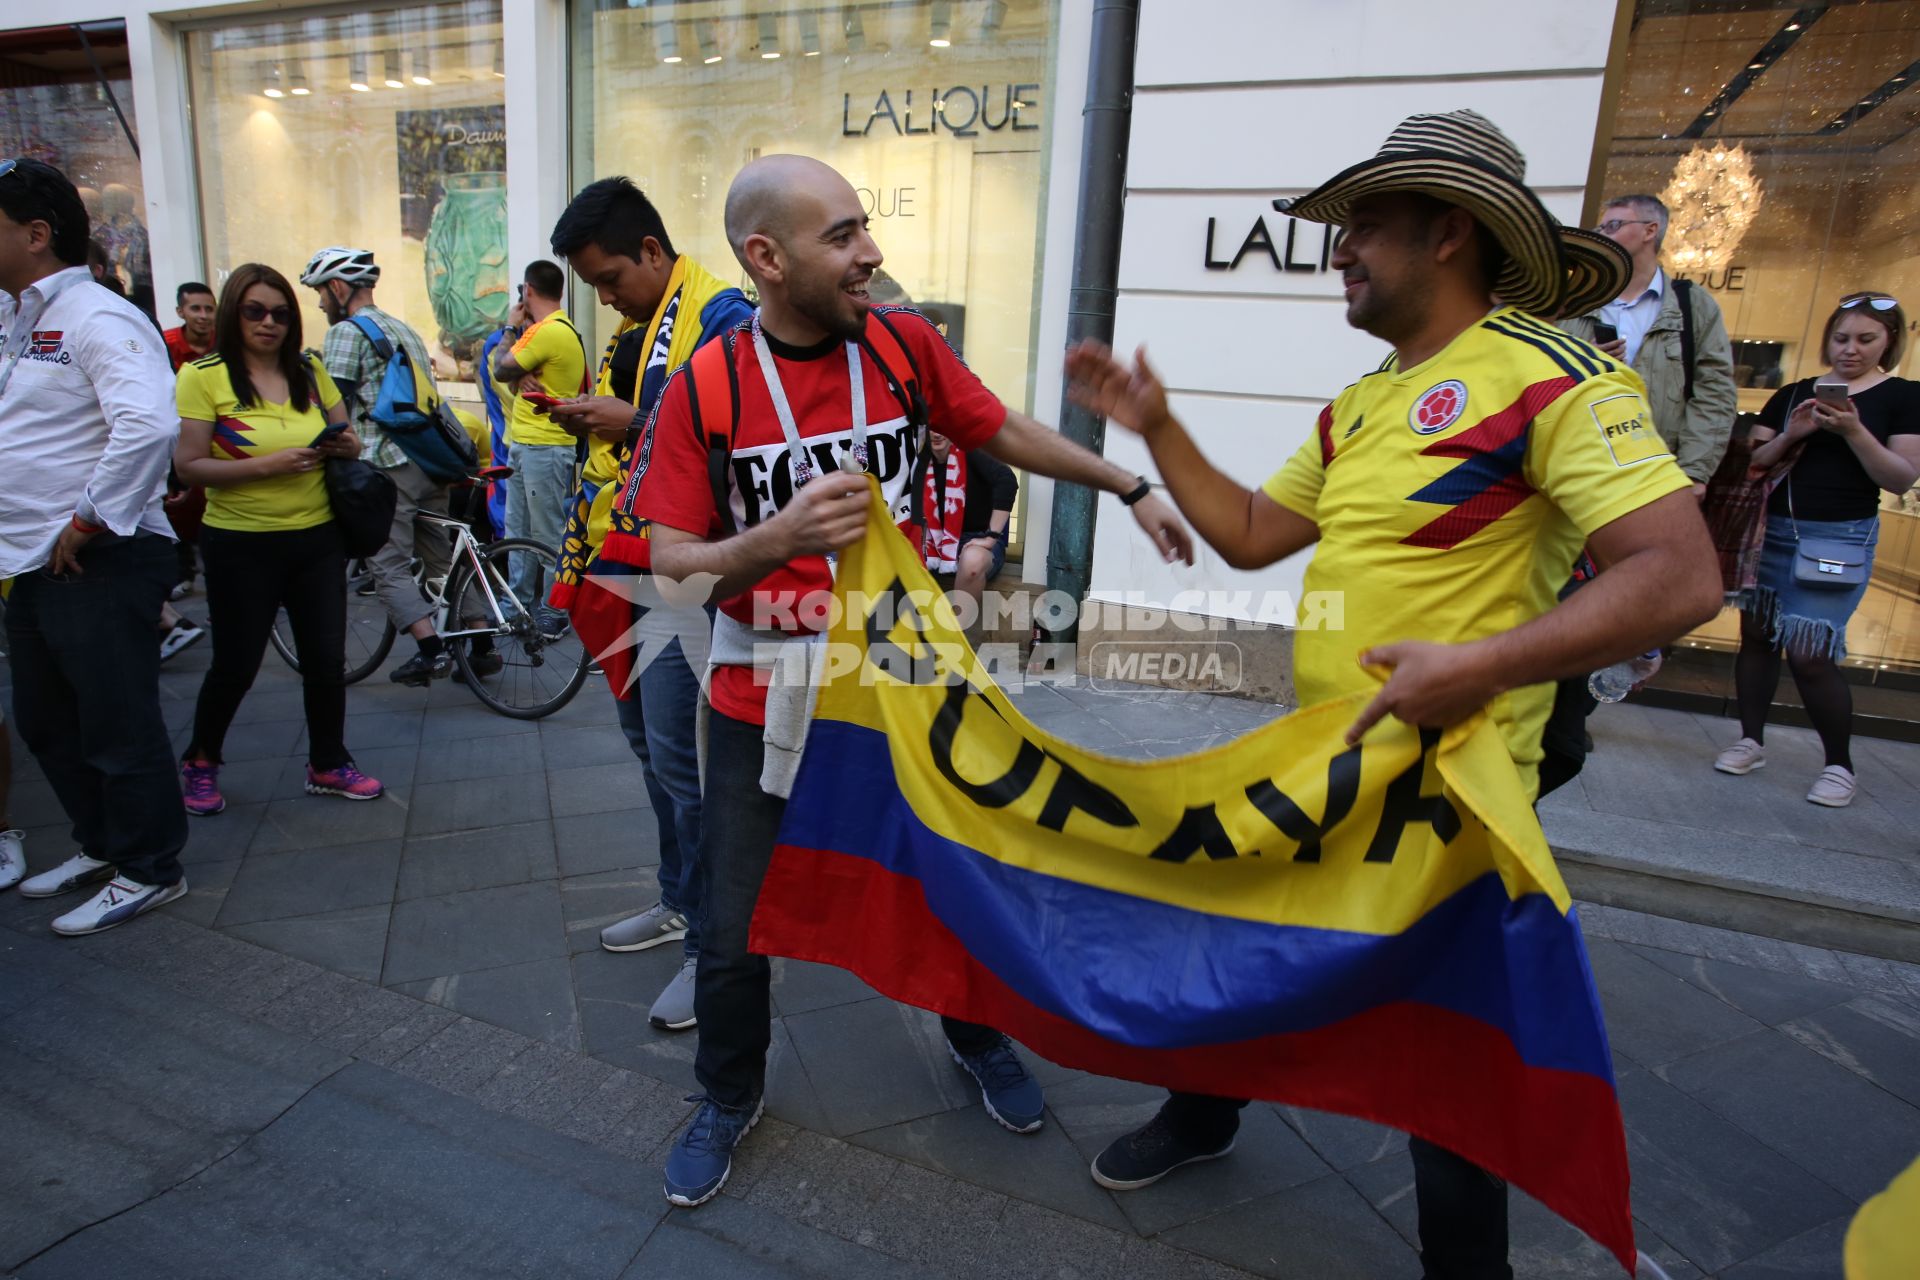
[1828, 482]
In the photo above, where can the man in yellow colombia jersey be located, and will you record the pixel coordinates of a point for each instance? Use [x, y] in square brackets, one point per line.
[545, 359]
[1446, 495]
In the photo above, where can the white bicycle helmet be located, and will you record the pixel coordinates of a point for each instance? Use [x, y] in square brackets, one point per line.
[355, 266]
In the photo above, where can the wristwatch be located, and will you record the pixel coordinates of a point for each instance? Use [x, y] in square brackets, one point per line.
[1136, 493]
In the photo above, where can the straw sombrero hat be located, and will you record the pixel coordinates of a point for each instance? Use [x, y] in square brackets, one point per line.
[1462, 158]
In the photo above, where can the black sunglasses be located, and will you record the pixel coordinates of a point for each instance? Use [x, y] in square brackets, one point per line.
[1878, 301]
[255, 312]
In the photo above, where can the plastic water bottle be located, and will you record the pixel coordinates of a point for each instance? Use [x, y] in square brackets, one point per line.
[1611, 684]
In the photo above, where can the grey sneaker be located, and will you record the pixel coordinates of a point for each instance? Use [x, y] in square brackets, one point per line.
[673, 1011]
[1743, 756]
[657, 924]
[1833, 788]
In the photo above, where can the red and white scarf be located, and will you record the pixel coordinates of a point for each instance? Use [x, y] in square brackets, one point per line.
[945, 504]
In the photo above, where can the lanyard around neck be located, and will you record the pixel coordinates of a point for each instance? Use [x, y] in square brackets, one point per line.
[796, 452]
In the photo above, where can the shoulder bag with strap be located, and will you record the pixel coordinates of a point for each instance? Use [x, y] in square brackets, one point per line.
[1824, 562]
[429, 434]
[1683, 293]
[362, 496]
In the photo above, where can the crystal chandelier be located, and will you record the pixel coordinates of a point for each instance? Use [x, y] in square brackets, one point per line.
[1713, 197]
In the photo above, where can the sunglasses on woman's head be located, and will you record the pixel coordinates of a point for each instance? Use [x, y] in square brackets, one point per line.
[1878, 301]
[254, 313]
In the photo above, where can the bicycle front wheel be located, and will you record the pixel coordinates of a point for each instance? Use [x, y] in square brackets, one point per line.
[542, 662]
[370, 632]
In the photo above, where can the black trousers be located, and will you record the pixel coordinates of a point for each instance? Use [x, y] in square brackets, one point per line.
[250, 578]
[730, 993]
[1463, 1208]
[86, 699]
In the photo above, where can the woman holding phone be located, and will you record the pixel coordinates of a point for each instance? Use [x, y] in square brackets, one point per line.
[258, 418]
[1848, 434]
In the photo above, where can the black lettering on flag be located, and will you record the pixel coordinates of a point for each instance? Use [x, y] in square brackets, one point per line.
[1199, 831]
[1343, 787]
[1075, 790]
[893, 607]
[1003, 790]
[1404, 806]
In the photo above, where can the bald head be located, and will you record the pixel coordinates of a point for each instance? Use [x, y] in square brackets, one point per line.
[800, 231]
[773, 194]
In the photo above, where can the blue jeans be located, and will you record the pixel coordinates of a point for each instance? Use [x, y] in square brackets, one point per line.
[733, 985]
[658, 719]
[538, 494]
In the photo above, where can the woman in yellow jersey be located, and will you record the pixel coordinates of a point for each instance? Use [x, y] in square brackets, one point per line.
[257, 419]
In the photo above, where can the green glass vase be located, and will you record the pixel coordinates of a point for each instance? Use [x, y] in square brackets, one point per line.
[467, 259]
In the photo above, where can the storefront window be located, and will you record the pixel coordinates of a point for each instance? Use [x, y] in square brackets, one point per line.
[66, 98]
[1796, 125]
[937, 112]
[383, 131]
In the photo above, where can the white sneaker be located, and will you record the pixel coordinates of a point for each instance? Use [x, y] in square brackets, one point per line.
[1833, 788]
[119, 902]
[13, 858]
[184, 633]
[1743, 756]
[75, 872]
[673, 1011]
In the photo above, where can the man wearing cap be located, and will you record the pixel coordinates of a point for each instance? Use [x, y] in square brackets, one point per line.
[345, 278]
[1446, 495]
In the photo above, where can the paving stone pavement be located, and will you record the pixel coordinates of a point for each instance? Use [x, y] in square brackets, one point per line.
[381, 1038]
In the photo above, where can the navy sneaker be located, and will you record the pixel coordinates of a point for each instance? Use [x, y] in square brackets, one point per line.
[700, 1161]
[1012, 1095]
[1148, 1154]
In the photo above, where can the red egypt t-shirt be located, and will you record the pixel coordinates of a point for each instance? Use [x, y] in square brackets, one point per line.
[675, 490]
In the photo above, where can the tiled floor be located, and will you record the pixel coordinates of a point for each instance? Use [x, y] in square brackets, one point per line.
[1767, 1089]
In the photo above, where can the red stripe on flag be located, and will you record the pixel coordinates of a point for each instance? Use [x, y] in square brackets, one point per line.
[1434, 1073]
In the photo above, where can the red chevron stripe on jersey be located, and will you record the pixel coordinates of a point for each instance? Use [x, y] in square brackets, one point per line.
[1325, 427]
[232, 437]
[1491, 479]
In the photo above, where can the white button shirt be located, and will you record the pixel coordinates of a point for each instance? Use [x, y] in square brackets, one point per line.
[87, 417]
[1635, 317]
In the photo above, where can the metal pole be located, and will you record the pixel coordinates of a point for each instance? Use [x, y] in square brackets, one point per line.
[100, 74]
[1105, 124]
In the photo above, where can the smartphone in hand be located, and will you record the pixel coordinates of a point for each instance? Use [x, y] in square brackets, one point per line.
[1831, 392]
[540, 400]
[333, 430]
[1604, 333]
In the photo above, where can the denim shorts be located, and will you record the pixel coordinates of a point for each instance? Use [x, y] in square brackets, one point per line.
[999, 548]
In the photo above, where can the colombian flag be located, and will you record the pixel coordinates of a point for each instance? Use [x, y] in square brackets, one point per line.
[1378, 931]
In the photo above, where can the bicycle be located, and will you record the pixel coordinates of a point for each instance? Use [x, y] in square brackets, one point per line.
[540, 671]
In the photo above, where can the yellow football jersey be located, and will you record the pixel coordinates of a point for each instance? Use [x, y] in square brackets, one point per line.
[1454, 497]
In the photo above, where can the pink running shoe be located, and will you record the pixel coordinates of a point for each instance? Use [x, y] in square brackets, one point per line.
[201, 783]
[346, 781]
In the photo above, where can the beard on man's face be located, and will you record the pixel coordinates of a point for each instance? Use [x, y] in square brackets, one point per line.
[1389, 308]
[824, 303]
